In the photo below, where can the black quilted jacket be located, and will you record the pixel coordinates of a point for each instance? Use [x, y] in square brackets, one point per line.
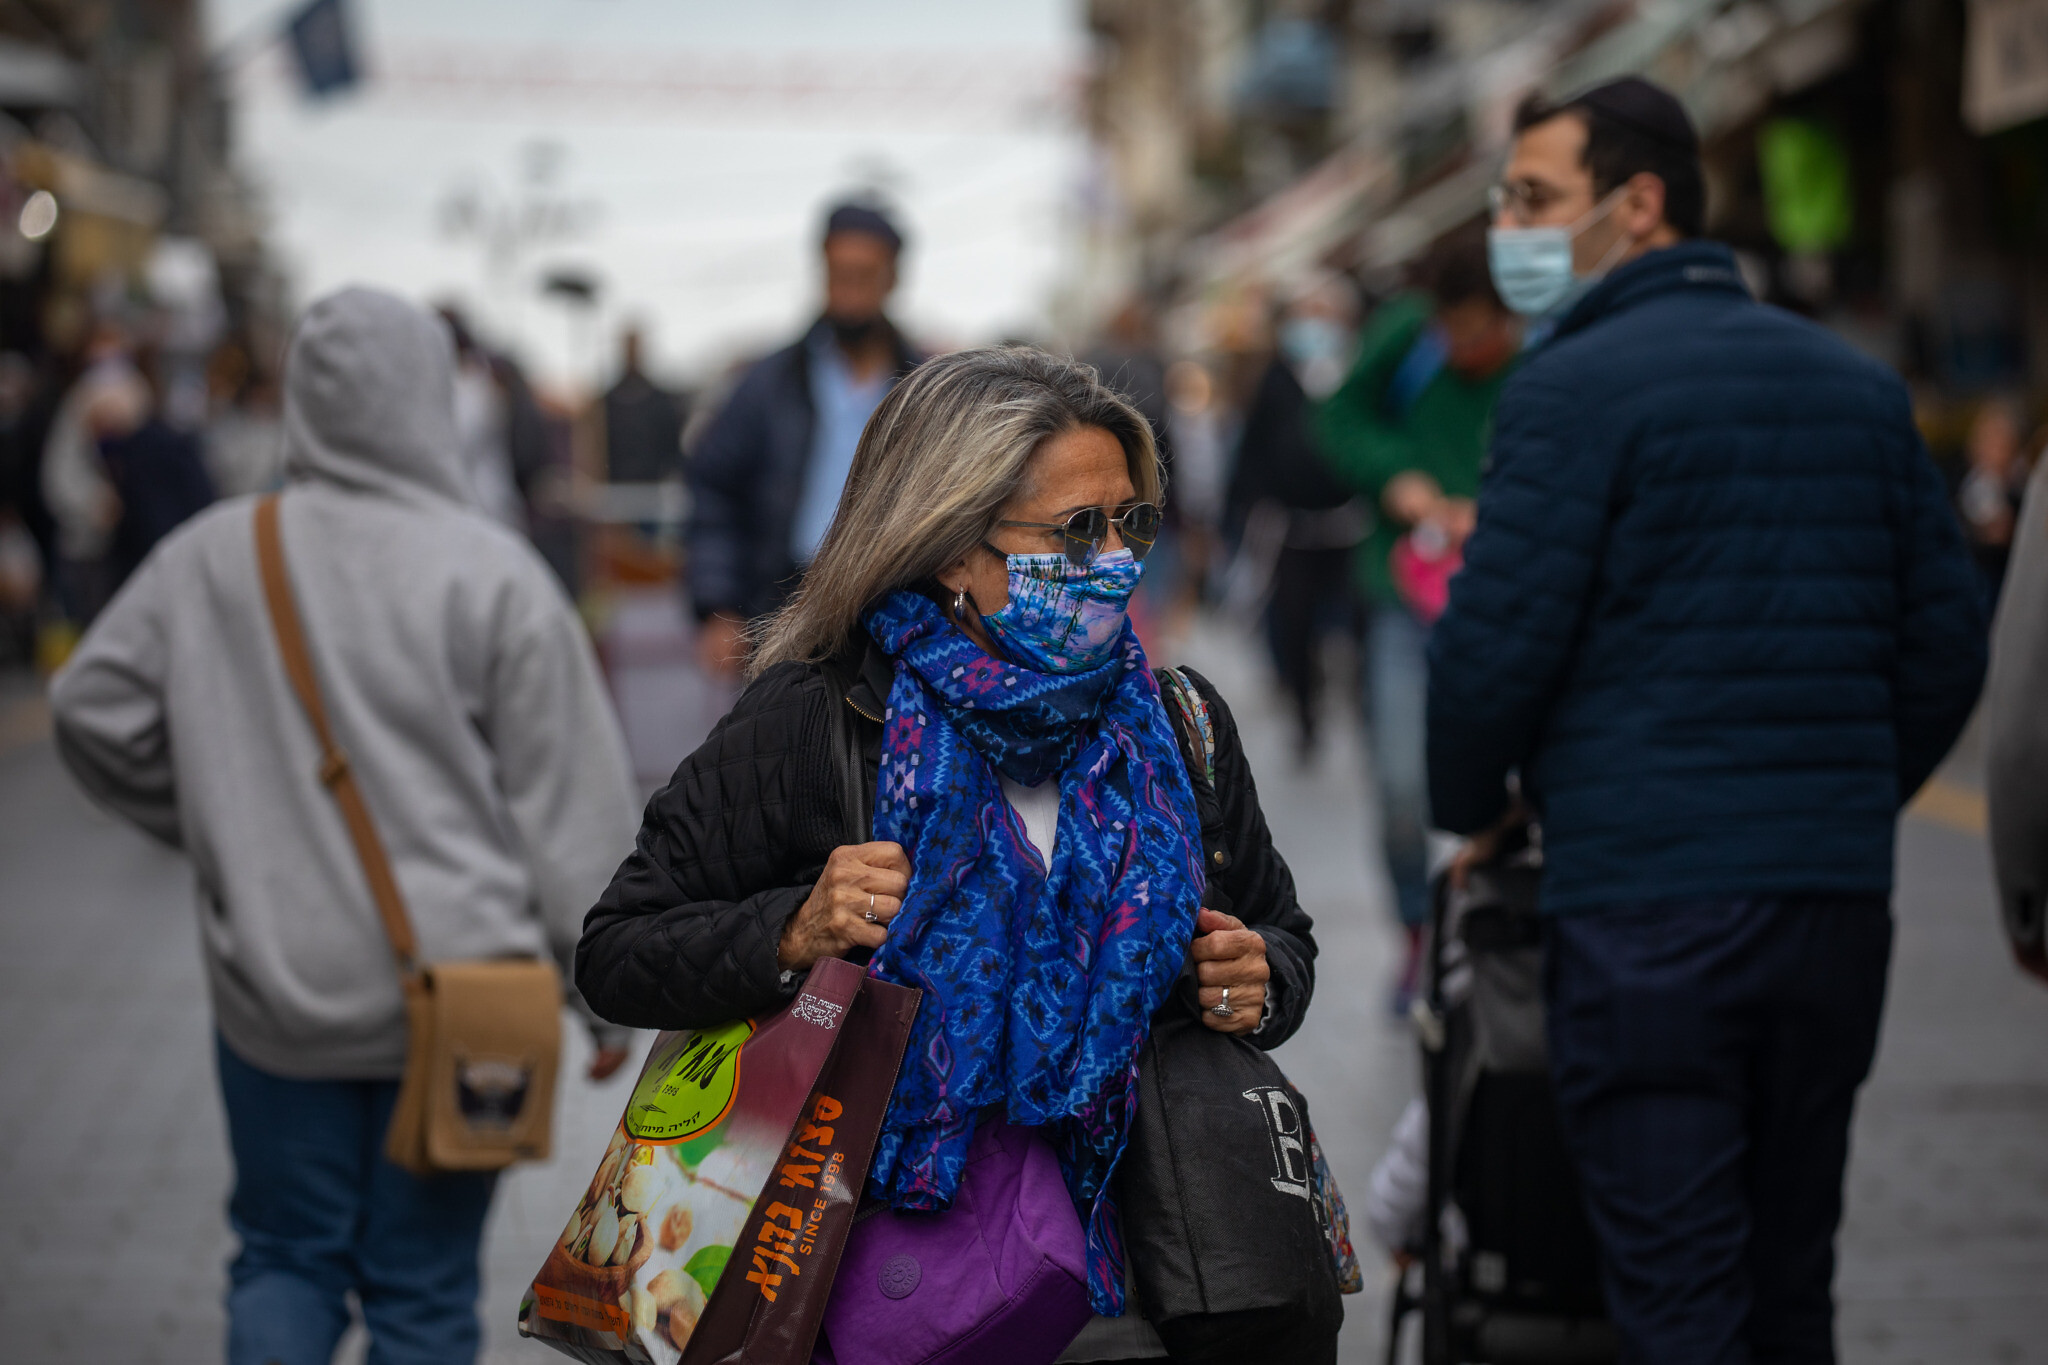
[685, 936]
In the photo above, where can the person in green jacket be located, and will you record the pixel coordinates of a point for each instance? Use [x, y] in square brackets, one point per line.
[1408, 429]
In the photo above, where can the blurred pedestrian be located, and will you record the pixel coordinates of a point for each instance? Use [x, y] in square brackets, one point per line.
[469, 700]
[245, 430]
[109, 398]
[160, 478]
[767, 472]
[1129, 357]
[482, 427]
[1317, 519]
[498, 424]
[643, 422]
[2016, 733]
[1717, 615]
[27, 406]
[25, 531]
[1989, 497]
[1407, 429]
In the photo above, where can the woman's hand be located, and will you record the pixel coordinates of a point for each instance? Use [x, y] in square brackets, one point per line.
[859, 892]
[1228, 954]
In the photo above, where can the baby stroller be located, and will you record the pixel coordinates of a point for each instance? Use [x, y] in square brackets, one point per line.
[1509, 1272]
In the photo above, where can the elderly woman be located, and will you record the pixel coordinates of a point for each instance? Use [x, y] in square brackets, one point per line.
[1037, 867]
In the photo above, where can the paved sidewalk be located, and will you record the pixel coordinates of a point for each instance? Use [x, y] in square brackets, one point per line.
[1355, 1064]
[112, 1162]
[1945, 1243]
[113, 1170]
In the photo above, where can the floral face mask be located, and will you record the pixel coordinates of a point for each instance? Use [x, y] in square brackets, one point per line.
[1064, 617]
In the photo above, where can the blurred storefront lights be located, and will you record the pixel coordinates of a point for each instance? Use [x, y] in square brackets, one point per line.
[38, 215]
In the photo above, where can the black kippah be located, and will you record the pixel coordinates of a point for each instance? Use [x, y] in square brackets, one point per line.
[866, 219]
[1645, 109]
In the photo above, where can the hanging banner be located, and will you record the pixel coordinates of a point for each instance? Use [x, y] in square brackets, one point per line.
[2005, 72]
[322, 39]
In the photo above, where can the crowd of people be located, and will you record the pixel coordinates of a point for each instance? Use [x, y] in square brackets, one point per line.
[1619, 553]
[104, 452]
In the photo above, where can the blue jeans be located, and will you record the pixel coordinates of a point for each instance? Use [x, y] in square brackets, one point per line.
[320, 1212]
[1397, 700]
[1707, 1056]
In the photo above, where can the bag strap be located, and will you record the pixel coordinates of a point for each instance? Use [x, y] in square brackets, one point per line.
[1187, 711]
[335, 773]
[849, 750]
[1194, 728]
[857, 798]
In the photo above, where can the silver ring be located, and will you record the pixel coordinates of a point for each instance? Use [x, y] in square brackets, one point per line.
[1223, 1010]
[871, 917]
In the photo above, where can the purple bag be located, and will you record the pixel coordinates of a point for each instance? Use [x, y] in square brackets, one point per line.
[1000, 1278]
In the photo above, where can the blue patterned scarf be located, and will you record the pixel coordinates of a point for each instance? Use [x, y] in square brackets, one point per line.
[1039, 986]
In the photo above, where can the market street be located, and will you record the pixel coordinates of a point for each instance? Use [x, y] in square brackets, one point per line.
[114, 1173]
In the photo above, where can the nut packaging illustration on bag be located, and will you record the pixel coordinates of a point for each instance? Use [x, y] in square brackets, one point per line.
[723, 1182]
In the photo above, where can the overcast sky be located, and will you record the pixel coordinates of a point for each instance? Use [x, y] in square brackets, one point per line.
[694, 145]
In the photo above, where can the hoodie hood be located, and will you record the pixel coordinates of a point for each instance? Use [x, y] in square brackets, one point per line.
[369, 398]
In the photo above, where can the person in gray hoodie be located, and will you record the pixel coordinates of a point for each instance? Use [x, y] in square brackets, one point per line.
[2016, 733]
[462, 685]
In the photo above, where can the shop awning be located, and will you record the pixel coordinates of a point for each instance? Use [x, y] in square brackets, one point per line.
[1289, 234]
[1726, 59]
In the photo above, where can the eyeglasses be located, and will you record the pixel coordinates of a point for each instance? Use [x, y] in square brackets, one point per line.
[1522, 200]
[1082, 534]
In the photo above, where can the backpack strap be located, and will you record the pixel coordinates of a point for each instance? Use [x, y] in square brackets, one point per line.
[1424, 361]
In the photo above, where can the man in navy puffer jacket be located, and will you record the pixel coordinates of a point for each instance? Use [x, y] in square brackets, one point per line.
[1718, 617]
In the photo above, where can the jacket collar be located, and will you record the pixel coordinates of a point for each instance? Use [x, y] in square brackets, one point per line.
[877, 674]
[1688, 265]
[904, 359]
[861, 674]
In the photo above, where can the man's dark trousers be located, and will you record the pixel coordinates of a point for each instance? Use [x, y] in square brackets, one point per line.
[1707, 1055]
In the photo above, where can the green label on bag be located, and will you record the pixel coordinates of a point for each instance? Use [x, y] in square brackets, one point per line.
[706, 1266]
[689, 1085]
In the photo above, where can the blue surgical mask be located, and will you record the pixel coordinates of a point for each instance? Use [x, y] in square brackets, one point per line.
[1317, 348]
[1532, 266]
[1063, 617]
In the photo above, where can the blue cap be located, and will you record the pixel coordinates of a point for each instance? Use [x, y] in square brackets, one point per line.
[863, 218]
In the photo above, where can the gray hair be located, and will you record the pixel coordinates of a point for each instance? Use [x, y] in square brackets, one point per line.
[938, 460]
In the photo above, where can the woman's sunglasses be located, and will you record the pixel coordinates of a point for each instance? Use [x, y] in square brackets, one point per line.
[1082, 534]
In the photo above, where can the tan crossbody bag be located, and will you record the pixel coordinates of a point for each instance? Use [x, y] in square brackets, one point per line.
[484, 1037]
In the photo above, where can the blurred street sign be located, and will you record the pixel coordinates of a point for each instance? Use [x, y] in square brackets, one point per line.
[2005, 77]
[325, 51]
